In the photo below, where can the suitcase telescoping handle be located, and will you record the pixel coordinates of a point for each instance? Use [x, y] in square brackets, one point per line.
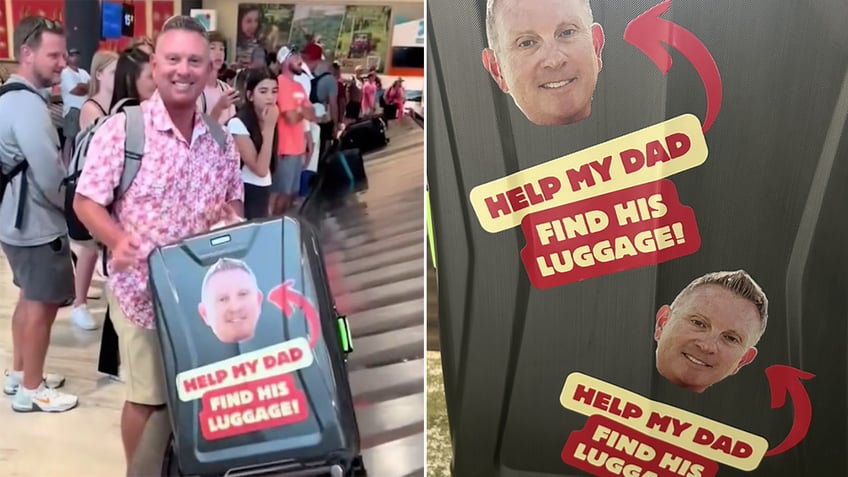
[221, 242]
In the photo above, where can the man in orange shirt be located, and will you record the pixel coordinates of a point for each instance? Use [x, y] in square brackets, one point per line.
[295, 108]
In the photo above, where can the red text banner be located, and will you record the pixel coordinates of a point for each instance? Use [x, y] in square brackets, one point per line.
[251, 407]
[631, 228]
[606, 448]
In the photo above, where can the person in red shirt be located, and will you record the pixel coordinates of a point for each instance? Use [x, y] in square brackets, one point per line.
[295, 108]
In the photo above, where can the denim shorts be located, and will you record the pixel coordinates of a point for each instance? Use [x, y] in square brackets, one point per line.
[286, 179]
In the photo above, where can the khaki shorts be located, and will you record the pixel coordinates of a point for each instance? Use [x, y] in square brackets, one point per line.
[141, 360]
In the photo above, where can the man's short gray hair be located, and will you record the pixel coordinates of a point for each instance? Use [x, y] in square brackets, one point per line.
[185, 23]
[738, 282]
[491, 30]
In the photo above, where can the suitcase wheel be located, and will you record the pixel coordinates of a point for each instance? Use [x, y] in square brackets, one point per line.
[170, 464]
[357, 468]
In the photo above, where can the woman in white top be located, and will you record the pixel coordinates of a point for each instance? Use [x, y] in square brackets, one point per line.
[254, 130]
[100, 88]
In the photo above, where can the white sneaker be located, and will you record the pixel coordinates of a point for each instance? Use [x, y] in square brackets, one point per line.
[82, 318]
[43, 399]
[15, 378]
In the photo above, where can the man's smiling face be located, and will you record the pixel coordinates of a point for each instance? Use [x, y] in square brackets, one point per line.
[547, 57]
[708, 336]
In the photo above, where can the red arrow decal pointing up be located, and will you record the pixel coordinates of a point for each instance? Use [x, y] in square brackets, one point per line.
[285, 297]
[785, 380]
[648, 32]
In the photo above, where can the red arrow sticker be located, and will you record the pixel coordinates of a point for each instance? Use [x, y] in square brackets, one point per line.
[785, 380]
[286, 298]
[648, 32]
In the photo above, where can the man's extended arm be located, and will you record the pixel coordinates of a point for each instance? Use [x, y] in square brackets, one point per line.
[101, 175]
[81, 89]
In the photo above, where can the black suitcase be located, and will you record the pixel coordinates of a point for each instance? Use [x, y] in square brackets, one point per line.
[254, 354]
[345, 173]
[768, 199]
[366, 135]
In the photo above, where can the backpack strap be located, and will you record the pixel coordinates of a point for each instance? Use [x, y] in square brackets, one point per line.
[120, 104]
[133, 148]
[216, 130]
[18, 86]
[21, 167]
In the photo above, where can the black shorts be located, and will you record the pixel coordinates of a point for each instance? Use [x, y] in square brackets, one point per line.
[256, 199]
[353, 109]
[326, 138]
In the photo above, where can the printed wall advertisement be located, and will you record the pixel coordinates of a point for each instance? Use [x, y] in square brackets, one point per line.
[352, 35]
[364, 37]
[209, 18]
[638, 213]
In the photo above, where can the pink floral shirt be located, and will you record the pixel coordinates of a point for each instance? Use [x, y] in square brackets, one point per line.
[180, 190]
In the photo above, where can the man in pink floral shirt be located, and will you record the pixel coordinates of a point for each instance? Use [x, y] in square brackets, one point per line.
[186, 184]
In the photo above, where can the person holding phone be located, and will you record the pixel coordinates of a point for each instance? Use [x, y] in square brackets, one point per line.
[218, 98]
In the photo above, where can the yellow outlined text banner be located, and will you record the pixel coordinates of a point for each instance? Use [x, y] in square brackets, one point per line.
[643, 156]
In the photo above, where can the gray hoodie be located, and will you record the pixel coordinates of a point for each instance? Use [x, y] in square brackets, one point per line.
[26, 131]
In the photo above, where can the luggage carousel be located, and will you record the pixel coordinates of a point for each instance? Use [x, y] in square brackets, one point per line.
[374, 248]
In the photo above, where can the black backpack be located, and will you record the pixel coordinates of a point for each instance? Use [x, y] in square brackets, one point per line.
[19, 168]
[313, 93]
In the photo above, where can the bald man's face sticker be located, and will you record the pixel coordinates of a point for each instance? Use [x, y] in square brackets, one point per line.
[547, 57]
[708, 336]
[232, 305]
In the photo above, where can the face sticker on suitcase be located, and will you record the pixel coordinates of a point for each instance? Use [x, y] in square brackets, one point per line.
[601, 210]
[255, 390]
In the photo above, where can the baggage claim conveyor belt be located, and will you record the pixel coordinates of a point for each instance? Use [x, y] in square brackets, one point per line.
[374, 250]
[373, 245]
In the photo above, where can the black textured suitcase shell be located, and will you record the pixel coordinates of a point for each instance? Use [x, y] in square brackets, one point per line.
[321, 429]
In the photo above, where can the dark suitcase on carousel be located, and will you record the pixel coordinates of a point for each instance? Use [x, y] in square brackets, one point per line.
[254, 354]
[366, 135]
[345, 173]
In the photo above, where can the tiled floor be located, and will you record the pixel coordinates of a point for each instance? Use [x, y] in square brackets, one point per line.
[83, 442]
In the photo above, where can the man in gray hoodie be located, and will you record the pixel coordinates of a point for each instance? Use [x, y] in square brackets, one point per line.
[33, 231]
